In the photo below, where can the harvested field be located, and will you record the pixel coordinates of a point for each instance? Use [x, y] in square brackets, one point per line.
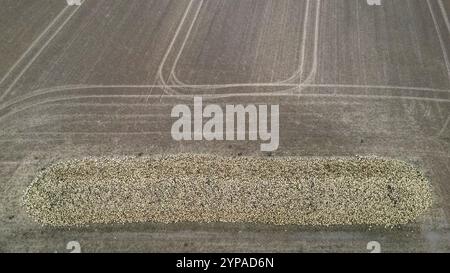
[99, 81]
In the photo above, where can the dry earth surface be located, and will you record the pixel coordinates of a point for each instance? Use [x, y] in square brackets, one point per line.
[101, 80]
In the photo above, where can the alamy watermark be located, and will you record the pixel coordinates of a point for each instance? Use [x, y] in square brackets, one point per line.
[233, 122]
[73, 2]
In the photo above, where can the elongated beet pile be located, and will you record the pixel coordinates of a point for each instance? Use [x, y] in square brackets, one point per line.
[206, 188]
